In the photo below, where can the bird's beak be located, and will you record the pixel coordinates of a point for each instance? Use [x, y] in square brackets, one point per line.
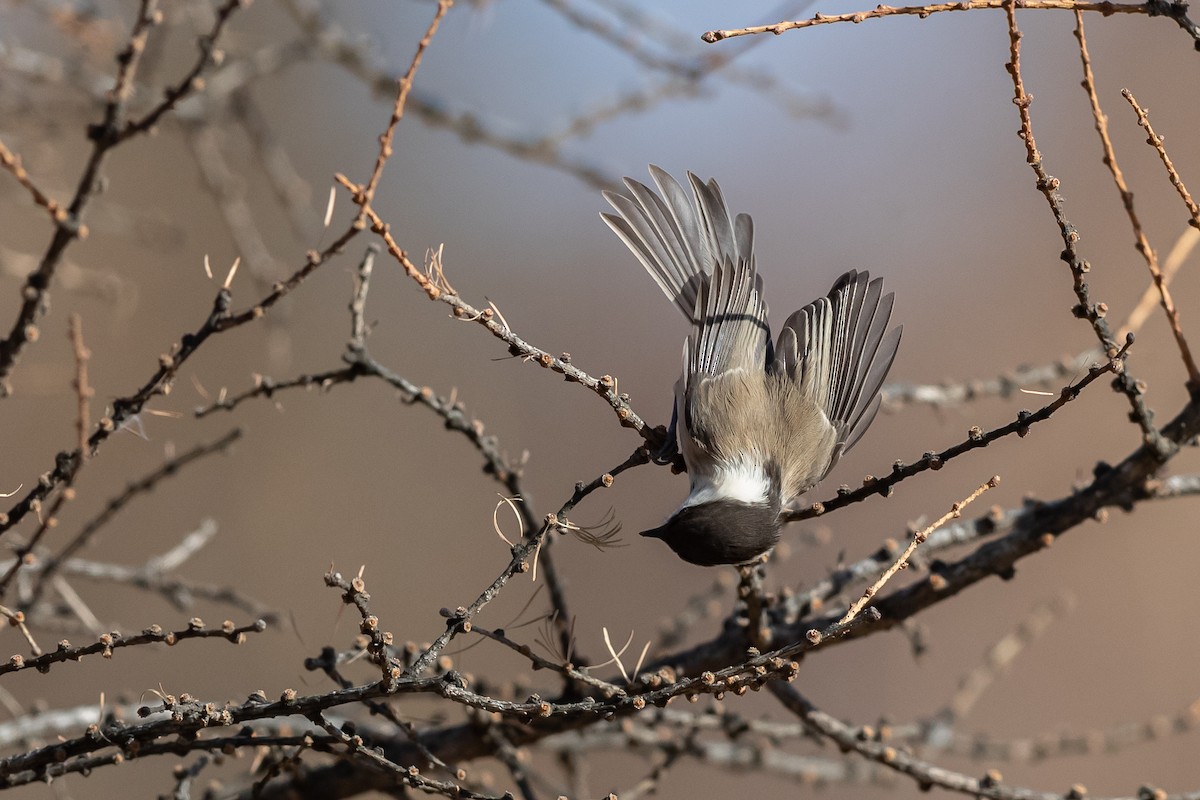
[655, 533]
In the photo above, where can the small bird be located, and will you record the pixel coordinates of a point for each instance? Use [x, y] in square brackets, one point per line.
[757, 424]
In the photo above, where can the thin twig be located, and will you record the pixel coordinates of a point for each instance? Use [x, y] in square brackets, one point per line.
[918, 539]
[1048, 185]
[17, 620]
[406, 84]
[604, 386]
[12, 162]
[976, 438]
[83, 389]
[110, 642]
[1152, 8]
[1156, 141]
[1142, 243]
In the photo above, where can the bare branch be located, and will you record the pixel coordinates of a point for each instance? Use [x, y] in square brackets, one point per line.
[1154, 8]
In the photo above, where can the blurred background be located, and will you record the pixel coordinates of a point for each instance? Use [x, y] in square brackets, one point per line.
[889, 146]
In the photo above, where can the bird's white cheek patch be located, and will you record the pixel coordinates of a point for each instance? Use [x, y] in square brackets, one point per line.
[746, 483]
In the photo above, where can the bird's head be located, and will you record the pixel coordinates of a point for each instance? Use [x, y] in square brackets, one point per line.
[720, 531]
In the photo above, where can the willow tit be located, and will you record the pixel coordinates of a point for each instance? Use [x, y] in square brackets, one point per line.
[757, 425]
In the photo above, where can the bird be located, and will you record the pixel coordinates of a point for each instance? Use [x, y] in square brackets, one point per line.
[758, 423]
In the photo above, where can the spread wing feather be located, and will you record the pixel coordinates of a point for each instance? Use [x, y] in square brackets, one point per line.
[838, 351]
[680, 236]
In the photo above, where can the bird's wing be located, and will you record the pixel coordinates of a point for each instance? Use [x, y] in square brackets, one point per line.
[838, 351]
[680, 236]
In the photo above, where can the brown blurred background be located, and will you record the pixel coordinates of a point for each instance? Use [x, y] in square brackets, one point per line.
[888, 146]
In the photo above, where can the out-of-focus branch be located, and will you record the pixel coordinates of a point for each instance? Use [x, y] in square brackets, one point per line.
[897, 396]
[927, 775]
[105, 135]
[147, 483]
[124, 409]
[12, 162]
